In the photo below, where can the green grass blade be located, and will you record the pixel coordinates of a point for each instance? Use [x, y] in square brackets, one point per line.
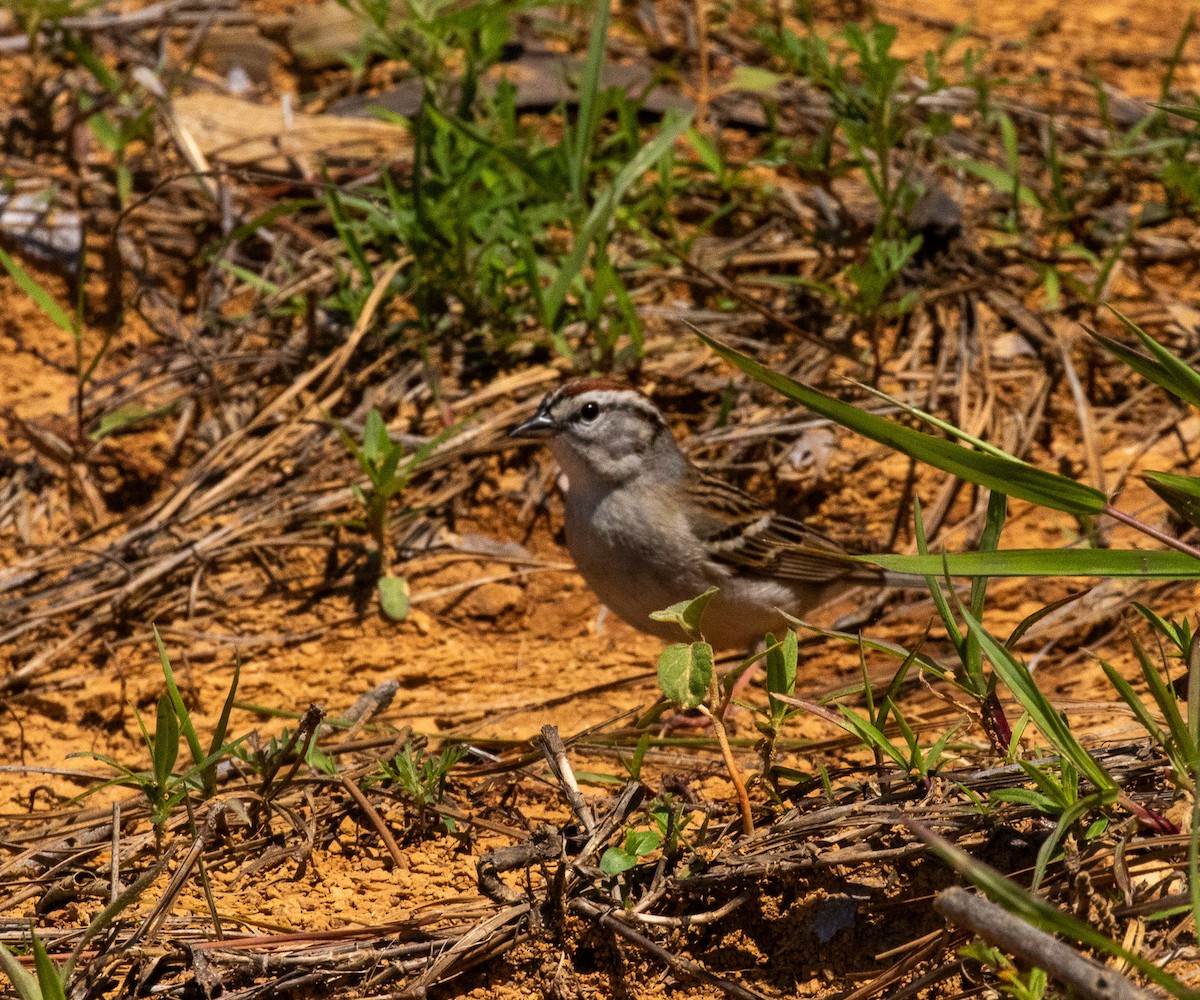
[932, 581]
[891, 649]
[1139, 708]
[1163, 368]
[1053, 726]
[989, 542]
[1005, 475]
[50, 980]
[673, 125]
[1193, 701]
[1045, 611]
[589, 93]
[1168, 704]
[1124, 563]
[182, 714]
[41, 298]
[166, 742]
[21, 978]
[1180, 493]
[934, 421]
[1070, 816]
[217, 746]
[872, 737]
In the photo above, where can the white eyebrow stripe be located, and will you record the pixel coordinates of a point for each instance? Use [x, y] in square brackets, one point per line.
[613, 399]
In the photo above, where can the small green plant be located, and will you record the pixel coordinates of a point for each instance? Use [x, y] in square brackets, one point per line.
[782, 659]
[380, 459]
[638, 843]
[163, 788]
[1180, 740]
[688, 679]
[672, 821]
[504, 227]
[421, 777]
[50, 983]
[916, 760]
[446, 44]
[1030, 986]
[877, 122]
[1059, 794]
[122, 115]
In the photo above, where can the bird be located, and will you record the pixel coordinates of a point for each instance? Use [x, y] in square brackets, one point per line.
[647, 529]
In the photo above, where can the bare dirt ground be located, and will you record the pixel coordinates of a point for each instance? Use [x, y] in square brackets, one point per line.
[504, 638]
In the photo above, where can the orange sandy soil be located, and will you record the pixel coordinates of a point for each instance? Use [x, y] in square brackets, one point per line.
[504, 658]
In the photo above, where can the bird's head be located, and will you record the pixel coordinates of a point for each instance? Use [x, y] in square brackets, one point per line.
[603, 430]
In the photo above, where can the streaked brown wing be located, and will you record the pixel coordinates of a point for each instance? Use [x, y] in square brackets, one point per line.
[740, 531]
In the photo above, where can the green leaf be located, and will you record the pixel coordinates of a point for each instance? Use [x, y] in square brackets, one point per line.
[1070, 816]
[1001, 180]
[634, 767]
[642, 842]
[393, 597]
[707, 152]
[376, 442]
[1180, 493]
[1190, 113]
[1053, 726]
[685, 672]
[614, 861]
[1145, 564]
[673, 125]
[872, 737]
[42, 299]
[755, 79]
[1005, 475]
[182, 715]
[689, 614]
[20, 977]
[49, 980]
[222, 726]
[1139, 708]
[782, 658]
[123, 417]
[1163, 368]
[589, 92]
[1033, 618]
[166, 742]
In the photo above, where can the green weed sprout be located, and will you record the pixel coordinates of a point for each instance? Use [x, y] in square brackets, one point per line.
[688, 679]
[1031, 986]
[50, 983]
[388, 474]
[638, 843]
[422, 777]
[162, 787]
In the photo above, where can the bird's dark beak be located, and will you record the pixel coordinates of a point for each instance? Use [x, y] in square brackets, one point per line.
[540, 425]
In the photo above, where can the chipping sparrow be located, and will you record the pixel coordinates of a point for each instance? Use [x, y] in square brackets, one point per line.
[646, 528]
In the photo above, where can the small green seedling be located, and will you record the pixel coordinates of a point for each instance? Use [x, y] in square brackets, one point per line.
[162, 787]
[1031, 986]
[422, 777]
[50, 982]
[687, 678]
[685, 669]
[380, 457]
[638, 843]
[671, 820]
